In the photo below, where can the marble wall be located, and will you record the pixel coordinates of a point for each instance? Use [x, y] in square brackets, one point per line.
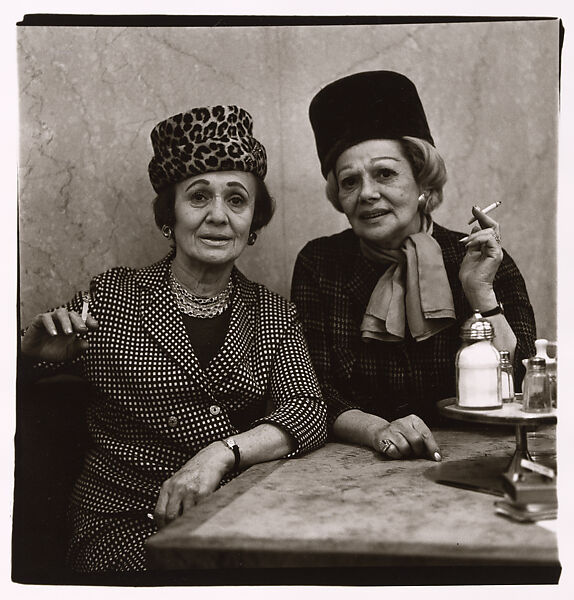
[90, 96]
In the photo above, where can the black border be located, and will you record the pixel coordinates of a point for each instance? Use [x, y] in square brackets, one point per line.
[152, 20]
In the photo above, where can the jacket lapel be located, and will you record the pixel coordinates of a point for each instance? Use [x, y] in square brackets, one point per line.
[162, 320]
[231, 359]
[358, 285]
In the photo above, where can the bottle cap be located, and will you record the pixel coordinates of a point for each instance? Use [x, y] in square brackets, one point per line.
[504, 355]
[541, 346]
[537, 362]
[477, 328]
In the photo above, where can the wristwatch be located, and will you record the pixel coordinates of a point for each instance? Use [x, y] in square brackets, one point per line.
[497, 310]
[230, 443]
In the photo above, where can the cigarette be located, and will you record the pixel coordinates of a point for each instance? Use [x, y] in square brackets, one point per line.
[85, 304]
[486, 210]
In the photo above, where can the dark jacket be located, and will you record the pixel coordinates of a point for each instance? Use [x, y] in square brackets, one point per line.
[332, 283]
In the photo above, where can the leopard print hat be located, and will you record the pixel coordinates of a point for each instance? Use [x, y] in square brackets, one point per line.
[210, 138]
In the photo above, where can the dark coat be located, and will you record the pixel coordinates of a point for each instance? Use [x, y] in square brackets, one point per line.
[332, 283]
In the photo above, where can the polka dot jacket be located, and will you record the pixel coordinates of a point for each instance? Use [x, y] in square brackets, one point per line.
[154, 407]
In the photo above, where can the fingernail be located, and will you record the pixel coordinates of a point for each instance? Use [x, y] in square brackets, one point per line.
[437, 456]
[464, 239]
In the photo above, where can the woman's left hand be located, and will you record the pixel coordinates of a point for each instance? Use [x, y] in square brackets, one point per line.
[482, 259]
[198, 478]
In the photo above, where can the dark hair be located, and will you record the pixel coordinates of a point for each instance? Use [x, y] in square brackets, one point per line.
[164, 206]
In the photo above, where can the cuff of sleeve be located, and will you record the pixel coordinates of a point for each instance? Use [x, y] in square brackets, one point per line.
[307, 426]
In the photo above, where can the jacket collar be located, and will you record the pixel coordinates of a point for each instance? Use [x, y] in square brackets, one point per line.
[162, 319]
[361, 278]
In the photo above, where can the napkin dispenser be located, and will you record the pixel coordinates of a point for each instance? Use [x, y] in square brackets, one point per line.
[530, 493]
[533, 484]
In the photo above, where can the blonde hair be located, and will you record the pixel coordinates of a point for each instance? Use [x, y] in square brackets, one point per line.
[428, 169]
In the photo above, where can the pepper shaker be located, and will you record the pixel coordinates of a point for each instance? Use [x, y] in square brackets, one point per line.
[536, 395]
[506, 377]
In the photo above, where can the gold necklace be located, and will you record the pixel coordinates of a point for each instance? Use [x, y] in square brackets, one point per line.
[196, 306]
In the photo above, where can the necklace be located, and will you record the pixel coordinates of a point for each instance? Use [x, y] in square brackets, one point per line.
[196, 306]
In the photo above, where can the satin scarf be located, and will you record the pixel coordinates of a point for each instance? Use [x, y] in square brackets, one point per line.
[413, 292]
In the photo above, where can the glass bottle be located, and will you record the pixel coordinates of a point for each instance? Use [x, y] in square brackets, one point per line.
[478, 366]
[536, 395]
[551, 368]
[506, 377]
[544, 348]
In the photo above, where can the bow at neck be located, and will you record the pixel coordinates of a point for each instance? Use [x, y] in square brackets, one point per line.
[413, 292]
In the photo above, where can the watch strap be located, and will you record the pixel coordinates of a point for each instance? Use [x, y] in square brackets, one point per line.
[230, 443]
[497, 310]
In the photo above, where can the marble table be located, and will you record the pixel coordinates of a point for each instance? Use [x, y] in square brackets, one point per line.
[345, 506]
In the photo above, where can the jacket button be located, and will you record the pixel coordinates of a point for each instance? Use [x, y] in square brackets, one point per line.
[172, 421]
[214, 410]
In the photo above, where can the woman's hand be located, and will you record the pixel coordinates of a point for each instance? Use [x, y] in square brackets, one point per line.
[407, 437]
[54, 336]
[198, 478]
[481, 262]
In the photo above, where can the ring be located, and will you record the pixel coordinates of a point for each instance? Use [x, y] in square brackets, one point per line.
[497, 237]
[386, 445]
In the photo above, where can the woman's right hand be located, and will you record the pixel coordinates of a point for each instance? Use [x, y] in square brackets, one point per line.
[408, 437]
[55, 336]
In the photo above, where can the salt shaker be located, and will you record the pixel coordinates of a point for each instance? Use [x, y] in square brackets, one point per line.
[536, 395]
[478, 366]
[506, 377]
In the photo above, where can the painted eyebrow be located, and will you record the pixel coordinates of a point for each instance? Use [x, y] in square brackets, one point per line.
[197, 182]
[385, 158]
[205, 182]
[237, 184]
[373, 160]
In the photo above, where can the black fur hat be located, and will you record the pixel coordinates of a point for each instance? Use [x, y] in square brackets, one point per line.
[365, 106]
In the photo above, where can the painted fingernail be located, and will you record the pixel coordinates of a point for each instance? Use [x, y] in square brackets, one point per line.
[437, 456]
[464, 239]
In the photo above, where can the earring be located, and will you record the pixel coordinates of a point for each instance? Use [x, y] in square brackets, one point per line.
[252, 238]
[424, 200]
[167, 232]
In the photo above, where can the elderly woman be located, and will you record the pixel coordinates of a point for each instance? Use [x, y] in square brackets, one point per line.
[382, 303]
[198, 372]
